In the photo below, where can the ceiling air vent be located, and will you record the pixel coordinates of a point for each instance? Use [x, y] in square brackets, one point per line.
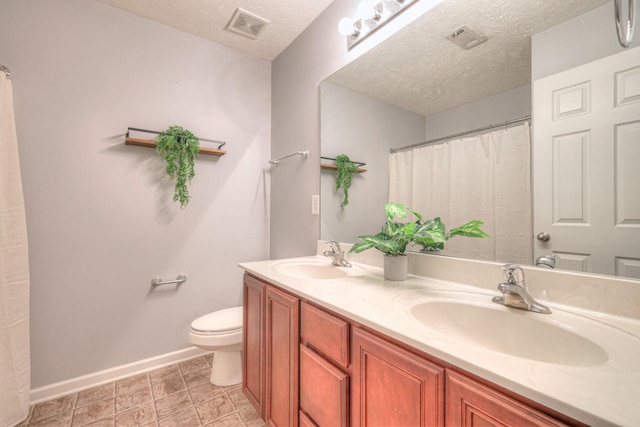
[247, 24]
[466, 38]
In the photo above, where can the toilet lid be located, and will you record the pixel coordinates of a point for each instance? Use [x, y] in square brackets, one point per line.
[219, 321]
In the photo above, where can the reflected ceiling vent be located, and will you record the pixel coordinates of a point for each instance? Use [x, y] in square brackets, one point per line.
[466, 38]
[247, 24]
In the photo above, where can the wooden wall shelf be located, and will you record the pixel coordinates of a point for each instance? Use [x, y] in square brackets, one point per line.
[334, 167]
[151, 144]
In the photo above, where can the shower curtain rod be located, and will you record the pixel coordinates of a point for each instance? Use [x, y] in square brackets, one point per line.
[456, 135]
[5, 70]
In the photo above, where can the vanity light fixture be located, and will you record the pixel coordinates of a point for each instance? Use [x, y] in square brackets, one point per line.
[372, 14]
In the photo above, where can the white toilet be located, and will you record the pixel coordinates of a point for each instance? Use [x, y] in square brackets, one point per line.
[221, 332]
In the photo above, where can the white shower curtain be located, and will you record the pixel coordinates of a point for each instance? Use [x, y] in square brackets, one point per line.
[15, 365]
[485, 177]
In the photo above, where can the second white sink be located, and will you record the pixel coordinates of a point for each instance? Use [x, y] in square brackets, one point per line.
[511, 332]
[560, 338]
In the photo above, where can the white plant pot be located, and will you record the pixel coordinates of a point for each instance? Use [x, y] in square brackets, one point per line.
[395, 267]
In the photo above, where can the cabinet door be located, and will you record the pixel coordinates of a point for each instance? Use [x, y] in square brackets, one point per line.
[282, 338]
[323, 390]
[471, 404]
[392, 387]
[253, 343]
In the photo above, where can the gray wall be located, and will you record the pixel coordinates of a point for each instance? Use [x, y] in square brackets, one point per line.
[296, 75]
[512, 104]
[100, 217]
[363, 128]
[584, 39]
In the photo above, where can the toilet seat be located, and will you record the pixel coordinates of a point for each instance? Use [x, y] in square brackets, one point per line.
[219, 322]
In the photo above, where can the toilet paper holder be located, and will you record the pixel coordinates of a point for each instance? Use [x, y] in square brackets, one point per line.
[157, 281]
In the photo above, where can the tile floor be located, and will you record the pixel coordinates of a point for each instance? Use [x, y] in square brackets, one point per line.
[176, 395]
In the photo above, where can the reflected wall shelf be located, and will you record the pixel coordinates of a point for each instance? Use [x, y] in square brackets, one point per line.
[151, 144]
[334, 167]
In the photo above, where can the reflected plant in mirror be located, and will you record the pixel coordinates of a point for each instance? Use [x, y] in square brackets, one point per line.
[346, 170]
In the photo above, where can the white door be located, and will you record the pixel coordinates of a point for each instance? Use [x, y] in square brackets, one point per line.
[586, 166]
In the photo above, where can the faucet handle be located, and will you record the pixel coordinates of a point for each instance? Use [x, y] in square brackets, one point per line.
[335, 247]
[514, 274]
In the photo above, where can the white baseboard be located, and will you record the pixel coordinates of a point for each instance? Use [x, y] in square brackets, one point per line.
[84, 382]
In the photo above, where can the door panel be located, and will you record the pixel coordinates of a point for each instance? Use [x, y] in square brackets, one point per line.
[586, 148]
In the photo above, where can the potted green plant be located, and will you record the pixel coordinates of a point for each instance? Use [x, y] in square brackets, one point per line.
[179, 147]
[346, 170]
[395, 237]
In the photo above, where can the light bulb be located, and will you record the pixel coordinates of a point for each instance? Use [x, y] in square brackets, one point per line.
[365, 9]
[346, 28]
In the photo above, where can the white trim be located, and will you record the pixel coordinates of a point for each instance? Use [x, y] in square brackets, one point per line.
[74, 385]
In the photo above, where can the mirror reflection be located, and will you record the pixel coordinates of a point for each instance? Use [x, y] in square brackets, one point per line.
[418, 86]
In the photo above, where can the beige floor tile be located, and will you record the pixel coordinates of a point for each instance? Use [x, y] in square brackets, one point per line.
[251, 417]
[185, 418]
[107, 422]
[238, 398]
[209, 359]
[95, 394]
[130, 402]
[53, 407]
[198, 377]
[167, 371]
[128, 385]
[174, 403]
[133, 398]
[194, 365]
[205, 392]
[167, 386]
[137, 417]
[87, 414]
[214, 409]
[59, 420]
[231, 420]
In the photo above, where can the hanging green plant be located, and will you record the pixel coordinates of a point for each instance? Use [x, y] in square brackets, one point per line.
[179, 147]
[346, 170]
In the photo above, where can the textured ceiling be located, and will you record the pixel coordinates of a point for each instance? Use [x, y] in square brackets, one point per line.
[208, 19]
[421, 71]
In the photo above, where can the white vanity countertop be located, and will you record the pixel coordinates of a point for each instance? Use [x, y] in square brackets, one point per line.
[606, 394]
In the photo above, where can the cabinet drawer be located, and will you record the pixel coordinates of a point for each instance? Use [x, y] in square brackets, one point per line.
[325, 333]
[324, 390]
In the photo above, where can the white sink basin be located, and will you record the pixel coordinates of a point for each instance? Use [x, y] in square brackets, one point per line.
[560, 338]
[517, 334]
[315, 270]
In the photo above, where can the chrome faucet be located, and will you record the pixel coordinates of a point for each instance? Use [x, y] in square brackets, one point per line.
[514, 291]
[337, 255]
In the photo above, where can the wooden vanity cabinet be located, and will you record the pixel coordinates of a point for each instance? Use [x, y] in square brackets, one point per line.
[392, 387]
[253, 345]
[324, 382]
[281, 358]
[472, 404]
[270, 352]
[305, 366]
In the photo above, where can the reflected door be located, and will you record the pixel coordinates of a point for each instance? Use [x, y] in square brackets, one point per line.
[586, 164]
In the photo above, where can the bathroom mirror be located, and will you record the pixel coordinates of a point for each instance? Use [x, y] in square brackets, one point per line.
[418, 86]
